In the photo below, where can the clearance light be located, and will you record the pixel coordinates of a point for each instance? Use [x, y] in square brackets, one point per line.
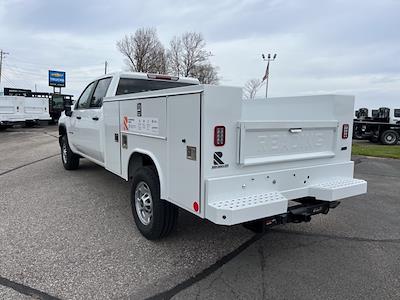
[162, 77]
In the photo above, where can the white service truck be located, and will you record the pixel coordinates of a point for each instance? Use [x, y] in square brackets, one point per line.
[206, 150]
[20, 109]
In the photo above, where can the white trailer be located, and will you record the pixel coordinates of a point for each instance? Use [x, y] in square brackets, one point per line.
[204, 149]
[19, 109]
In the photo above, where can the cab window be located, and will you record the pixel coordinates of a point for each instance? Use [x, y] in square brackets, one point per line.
[100, 92]
[397, 113]
[131, 85]
[84, 99]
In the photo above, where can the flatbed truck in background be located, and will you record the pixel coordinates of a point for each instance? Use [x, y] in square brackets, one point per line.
[383, 126]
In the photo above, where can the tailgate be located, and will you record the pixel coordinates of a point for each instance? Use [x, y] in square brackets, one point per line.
[263, 142]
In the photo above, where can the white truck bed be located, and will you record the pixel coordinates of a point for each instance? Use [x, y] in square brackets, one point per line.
[275, 150]
[14, 109]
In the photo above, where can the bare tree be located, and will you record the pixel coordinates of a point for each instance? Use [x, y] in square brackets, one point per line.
[187, 57]
[251, 88]
[143, 51]
[206, 73]
[193, 54]
[174, 57]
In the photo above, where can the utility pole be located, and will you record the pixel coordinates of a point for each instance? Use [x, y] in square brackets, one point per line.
[105, 67]
[266, 76]
[2, 55]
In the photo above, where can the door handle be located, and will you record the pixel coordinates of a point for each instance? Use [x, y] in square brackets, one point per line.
[295, 130]
[78, 117]
[95, 118]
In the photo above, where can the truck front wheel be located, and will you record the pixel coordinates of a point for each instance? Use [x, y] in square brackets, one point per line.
[390, 137]
[69, 159]
[155, 218]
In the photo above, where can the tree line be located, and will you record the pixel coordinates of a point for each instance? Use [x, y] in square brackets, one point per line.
[186, 55]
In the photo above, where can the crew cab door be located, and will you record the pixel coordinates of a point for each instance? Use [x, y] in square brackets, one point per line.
[93, 133]
[87, 120]
[79, 120]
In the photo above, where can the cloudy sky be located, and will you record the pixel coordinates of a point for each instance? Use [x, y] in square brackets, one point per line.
[344, 47]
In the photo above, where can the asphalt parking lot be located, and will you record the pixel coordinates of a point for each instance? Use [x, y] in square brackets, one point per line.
[70, 235]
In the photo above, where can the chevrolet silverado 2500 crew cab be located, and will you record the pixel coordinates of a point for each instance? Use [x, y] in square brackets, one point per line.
[206, 150]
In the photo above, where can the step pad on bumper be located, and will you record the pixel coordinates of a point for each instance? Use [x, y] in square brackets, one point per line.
[234, 211]
[338, 188]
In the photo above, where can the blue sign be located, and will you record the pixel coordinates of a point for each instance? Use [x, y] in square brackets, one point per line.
[56, 78]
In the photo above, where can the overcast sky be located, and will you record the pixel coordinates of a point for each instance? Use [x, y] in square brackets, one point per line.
[345, 47]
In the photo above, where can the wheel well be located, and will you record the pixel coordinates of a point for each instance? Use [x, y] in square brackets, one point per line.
[62, 130]
[139, 160]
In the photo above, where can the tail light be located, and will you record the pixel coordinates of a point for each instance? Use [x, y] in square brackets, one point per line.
[219, 136]
[345, 131]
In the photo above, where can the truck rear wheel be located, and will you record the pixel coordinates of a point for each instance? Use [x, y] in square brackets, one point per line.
[358, 135]
[69, 159]
[374, 139]
[390, 137]
[155, 218]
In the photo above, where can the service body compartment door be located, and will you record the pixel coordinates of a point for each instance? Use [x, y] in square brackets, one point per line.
[112, 141]
[184, 150]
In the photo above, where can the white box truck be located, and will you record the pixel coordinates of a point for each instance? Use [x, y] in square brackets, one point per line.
[204, 149]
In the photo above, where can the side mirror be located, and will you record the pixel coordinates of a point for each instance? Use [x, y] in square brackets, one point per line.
[68, 111]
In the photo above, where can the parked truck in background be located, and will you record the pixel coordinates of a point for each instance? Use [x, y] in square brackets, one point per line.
[382, 126]
[22, 110]
[204, 149]
[29, 108]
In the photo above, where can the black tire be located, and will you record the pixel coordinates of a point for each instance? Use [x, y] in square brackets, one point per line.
[69, 159]
[30, 124]
[389, 137]
[357, 135]
[164, 214]
[374, 139]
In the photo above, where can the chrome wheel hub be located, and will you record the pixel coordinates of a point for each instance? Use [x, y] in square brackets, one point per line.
[144, 203]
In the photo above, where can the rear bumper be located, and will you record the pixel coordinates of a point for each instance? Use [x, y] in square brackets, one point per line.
[257, 196]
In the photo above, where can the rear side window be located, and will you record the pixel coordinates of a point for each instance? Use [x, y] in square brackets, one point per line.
[397, 113]
[130, 85]
[100, 92]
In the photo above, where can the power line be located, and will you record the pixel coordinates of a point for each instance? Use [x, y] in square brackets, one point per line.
[12, 84]
[8, 79]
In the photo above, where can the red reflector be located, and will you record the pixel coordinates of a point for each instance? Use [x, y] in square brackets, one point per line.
[196, 206]
[345, 131]
[219, 136]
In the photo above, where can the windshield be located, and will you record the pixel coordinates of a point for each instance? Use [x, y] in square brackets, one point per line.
[58, 102]
[131, 85]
